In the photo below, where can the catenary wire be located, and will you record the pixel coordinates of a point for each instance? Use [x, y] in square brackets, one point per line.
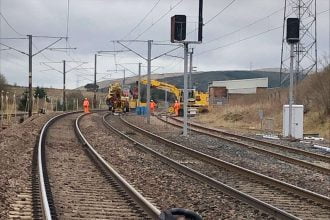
[244, 27]
[248, 38]
[142, 20]
[160, 18]
[220, 12]
[238, 41]
[4, 18]
[216, 15]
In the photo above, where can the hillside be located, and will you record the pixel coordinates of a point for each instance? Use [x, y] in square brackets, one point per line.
[103, 85]
[202, 79]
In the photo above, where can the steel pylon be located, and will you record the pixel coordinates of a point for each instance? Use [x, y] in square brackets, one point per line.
[306, 50]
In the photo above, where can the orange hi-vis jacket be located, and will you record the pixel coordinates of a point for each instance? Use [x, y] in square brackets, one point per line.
[86, 105]
[176, 108]
[152, 105]
[176, 105]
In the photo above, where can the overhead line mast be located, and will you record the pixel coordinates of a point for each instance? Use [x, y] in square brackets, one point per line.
[306, 50]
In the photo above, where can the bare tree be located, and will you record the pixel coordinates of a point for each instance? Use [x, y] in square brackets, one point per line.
[3, 82]
[314, 92]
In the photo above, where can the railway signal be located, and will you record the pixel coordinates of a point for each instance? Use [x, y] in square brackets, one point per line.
[292, 37]
[178, 35]
[178, 28]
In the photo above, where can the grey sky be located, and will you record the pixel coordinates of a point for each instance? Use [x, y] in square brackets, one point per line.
[94, 23]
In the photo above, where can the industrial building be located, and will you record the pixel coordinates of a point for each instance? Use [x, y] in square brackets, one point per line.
[219, 91]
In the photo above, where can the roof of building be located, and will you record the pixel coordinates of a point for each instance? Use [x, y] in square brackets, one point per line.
[241, 84]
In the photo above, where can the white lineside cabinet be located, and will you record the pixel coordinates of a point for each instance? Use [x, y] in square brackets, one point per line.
[297, 121]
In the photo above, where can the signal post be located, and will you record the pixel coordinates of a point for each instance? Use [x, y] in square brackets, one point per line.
[178, 35]
[292, 38]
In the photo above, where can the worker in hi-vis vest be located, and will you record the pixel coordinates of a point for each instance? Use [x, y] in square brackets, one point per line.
[176, 107]
[86, 105]
[152, 106]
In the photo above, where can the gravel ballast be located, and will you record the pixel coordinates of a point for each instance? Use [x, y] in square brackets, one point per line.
[163, 185]
[307, 145]
[16, 148]
[243, 157]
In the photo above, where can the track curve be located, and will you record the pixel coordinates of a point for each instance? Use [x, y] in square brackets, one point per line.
[77, 184]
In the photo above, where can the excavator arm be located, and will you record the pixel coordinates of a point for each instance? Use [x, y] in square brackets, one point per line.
[195, 99]
[164, 86]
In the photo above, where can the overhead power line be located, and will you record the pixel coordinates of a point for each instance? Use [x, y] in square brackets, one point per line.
[42, 53]
[238, 41]
[13, 38]
[211, 19]
[4, 18]
[249, 37]
[12, 48]
[45, 36]
[244, 27]
[160, 18]
[222, 10]
[322, 12]
[142, 20]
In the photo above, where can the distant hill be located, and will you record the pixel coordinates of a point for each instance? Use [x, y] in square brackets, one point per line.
[130, 80]
[202, 79]
[277, 70]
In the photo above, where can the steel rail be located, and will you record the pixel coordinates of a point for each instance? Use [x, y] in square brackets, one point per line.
[137, 197]
[47, 211]
[42, 172]
[282, 147]
[256, 203]
[218, 162]
[299, 162]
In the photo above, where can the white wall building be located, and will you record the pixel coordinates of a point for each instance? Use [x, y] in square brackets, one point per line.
[242, 86]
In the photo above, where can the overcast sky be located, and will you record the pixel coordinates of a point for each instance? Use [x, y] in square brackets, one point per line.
[94, 24]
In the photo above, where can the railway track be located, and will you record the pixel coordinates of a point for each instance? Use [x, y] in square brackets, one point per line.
[77, 183]
[272, 196]
[162, 184]
[303, 158]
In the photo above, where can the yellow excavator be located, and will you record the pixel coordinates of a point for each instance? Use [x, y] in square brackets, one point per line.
[202, 101]
[116, 99]
[197, 101]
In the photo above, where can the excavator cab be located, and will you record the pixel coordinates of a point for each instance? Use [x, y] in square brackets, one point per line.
[191, 96]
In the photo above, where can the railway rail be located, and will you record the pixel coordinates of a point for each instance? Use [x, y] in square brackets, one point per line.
[77, 183]
[161, 183]
[272, 196]
[303, 158]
